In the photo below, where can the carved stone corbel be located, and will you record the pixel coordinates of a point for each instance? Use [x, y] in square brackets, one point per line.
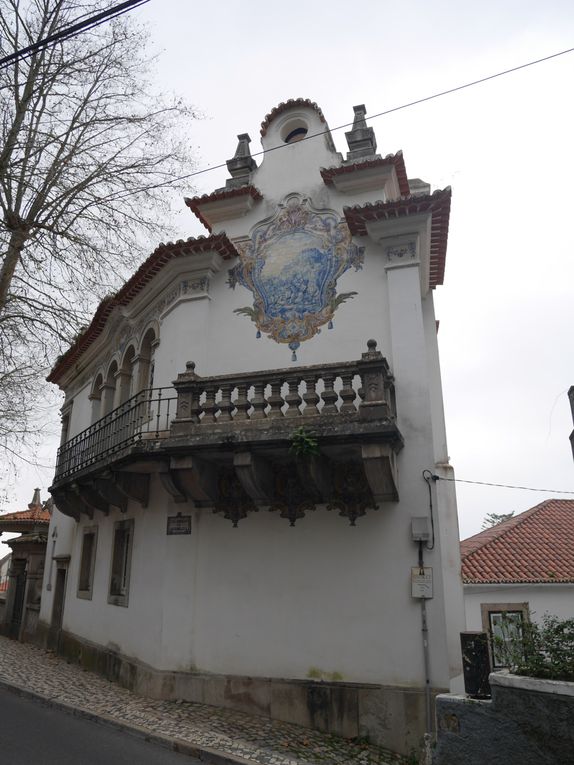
[91, 498]
[379, 461]
[170, 483]
[196, 478]
[134, 486]
[68, 504]
[255, 476]
[108, 489]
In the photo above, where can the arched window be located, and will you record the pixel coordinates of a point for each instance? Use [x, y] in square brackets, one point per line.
[146, 370]
[125, 374]
[96, 397]
[109, 389]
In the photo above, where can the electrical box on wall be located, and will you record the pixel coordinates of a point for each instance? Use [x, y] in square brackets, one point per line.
[421, 582]
[420, 531]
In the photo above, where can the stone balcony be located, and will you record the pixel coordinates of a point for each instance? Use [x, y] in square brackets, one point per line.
[285, 440]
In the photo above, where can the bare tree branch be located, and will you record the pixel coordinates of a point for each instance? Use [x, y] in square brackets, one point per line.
[87, 152]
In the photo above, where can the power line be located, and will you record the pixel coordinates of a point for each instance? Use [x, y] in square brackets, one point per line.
[500, 485]
[390, 111]
[73, 30]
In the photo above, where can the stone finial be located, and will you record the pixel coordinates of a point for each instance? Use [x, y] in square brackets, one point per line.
[241, 165]
[361, 139]
[372, 352]
[36, 501]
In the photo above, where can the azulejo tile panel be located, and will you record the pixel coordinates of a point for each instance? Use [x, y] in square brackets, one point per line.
[291, 264]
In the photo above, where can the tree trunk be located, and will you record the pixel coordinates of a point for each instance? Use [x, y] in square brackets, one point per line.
[11, 259]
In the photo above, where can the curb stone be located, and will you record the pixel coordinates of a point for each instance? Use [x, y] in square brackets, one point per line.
[202, 753]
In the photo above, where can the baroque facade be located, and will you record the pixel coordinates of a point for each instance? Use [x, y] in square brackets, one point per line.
[245, 511]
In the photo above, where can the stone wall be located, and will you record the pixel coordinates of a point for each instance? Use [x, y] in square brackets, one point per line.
[389, 716]
[527, 722]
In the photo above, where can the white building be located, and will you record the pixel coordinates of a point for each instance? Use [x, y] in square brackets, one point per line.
[281, 420]
[520, 570]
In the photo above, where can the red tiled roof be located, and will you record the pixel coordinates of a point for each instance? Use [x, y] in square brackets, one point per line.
[283, 106]
[195, 203]
[145, 273]
[391, 159]
[438, 204]
[34, 514]
[535, 546]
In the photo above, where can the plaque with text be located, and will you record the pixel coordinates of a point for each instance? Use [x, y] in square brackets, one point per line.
[178, 524]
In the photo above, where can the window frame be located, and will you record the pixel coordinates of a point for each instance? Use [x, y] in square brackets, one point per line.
[120, 596]
[489, 609]
[86, 594]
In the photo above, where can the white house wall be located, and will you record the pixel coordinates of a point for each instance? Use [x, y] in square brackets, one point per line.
[333, 598]
[555, 599]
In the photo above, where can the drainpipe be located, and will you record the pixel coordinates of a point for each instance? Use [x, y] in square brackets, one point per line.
[426, 655]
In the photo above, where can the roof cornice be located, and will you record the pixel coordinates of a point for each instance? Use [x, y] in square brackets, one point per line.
[437, 205]
[162, 255]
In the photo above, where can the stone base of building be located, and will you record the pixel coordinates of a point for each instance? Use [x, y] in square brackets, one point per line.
[389, 716]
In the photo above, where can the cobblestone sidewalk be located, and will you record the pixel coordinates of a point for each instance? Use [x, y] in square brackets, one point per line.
[253, 738]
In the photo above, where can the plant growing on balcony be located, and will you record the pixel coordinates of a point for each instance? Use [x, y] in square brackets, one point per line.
[303, 443]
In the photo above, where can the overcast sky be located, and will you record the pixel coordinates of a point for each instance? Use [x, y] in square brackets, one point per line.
[506, 308]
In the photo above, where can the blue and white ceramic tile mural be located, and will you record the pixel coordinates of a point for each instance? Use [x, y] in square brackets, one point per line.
[291, 264]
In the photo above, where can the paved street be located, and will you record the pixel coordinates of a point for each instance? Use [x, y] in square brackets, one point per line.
[256, 739]
[32, 732]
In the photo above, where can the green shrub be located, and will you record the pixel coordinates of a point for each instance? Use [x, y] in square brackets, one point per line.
[303, 444]
[543, 649]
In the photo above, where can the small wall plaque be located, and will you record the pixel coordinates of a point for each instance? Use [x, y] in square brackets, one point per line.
[421, 582]
[178, 524]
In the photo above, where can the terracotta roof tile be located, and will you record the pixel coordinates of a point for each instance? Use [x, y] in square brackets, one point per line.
[195, 203]
[145, 273]
[535, 546]
[437, 203]
[283, 106]
[391, 159]
[34, 514]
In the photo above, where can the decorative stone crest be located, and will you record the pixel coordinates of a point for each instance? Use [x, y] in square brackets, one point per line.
[291, 264]
[233, 502]
[351, 497]
[293, 502]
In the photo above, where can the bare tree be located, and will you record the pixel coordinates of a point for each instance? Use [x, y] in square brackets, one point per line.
[87, 153]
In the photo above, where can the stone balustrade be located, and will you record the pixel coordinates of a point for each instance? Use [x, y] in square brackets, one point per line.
[363, 387]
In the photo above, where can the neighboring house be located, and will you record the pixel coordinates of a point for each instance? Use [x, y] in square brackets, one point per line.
[24, 571]
[4, 566]
[244, 535]
[520, 569]
[571, 397]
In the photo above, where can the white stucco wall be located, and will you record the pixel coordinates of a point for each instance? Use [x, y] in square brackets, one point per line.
[267, 599]
[264, 599]
[554, 599]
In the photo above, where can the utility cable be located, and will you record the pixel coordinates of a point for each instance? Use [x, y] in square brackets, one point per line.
[389, 111]
[500, 485]
[73, 30]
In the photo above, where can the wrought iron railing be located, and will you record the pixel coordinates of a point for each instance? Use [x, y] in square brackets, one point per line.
[147, 415]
